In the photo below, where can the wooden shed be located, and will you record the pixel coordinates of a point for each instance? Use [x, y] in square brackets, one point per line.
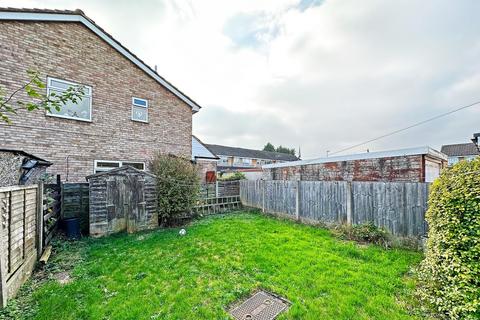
[122, 199]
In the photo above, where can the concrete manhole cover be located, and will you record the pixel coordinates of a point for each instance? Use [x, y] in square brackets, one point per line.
[261, 306]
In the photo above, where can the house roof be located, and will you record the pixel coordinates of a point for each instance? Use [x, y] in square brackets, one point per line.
[28, 155]
[24, 14]
[460, 149]
[201, 151]
[362, 156]
[250, 153]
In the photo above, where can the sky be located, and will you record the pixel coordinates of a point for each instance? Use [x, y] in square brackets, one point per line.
[319, 75]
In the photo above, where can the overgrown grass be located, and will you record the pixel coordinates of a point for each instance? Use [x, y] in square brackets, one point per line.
[160, 275]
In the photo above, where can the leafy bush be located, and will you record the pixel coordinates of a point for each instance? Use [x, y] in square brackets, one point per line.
[232, 177]
[366, 233]
[177, 187]
[449, 276]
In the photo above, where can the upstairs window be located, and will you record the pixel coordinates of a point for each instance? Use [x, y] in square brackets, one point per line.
[81, 110]
[139, 110]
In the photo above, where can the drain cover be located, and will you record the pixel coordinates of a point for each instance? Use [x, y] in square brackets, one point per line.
[261, 306]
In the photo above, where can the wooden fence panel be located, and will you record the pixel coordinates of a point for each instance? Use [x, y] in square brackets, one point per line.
[280, 197]
[399, 207]
[19, 212]
[323, 201]
[75, 203]
[251, 192]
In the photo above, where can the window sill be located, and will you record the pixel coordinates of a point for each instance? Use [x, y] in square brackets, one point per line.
[67, 117]
[140, 121]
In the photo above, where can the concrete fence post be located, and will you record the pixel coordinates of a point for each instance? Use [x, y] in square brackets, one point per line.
[39, 220]
[263, 196]
[349, 199]
[297, 200]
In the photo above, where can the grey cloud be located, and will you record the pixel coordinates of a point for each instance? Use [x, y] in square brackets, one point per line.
[394, 67]
[218, 125]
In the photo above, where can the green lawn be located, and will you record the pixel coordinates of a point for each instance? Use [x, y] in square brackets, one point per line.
[160, 275]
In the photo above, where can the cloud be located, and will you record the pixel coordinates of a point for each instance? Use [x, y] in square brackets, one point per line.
[322, 75]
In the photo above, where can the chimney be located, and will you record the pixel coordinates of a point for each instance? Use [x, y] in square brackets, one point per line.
[155, 68]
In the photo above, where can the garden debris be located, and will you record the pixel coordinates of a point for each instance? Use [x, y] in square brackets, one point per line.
[46, 254]
[63, 277]
[140, 276]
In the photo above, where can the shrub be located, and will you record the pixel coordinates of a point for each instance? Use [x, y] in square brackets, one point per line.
[177, 187]
[449, 276]
[232, 177]
[366, 233]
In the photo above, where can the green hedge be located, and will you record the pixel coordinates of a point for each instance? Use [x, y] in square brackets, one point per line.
[177, 186]
[450, 273]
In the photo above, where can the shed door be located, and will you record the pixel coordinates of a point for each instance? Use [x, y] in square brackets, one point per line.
[136, 203]
[126, 203]
[432, 171]
[116, 214]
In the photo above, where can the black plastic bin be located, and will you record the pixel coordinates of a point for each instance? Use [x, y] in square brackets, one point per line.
[72, 228]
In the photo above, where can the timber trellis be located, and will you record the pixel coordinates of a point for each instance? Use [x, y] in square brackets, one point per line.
[52, 200]
[396, 206]
[217, 205]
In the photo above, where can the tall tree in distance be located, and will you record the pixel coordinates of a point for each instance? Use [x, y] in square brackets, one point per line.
[269, 147]
[285, 150]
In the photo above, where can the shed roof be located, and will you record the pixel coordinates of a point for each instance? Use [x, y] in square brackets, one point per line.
[119, 171]
[361, 156]
[250, 153]
[29, 155]
[460, 149]
[28, 14]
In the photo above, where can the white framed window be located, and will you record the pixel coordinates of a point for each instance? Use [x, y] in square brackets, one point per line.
[82, 110]
[107, 165]
[139, 109]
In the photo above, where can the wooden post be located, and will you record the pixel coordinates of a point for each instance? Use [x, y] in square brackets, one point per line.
[216, 188]
[263, 196]
[39, 219]
[349, 196]
[3, 270]
[297, 200]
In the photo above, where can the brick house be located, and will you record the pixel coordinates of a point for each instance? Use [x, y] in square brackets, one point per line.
[205, 161]
[461, 151]
[129, 111]
[422, 164]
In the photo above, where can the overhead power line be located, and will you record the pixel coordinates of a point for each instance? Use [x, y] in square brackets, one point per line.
[406, 128]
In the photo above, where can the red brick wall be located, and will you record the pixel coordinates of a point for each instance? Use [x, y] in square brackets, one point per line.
[203, 166]
[71, 52]
[399, 169]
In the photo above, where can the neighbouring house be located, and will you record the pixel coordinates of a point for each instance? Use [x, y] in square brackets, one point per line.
[129, 112]
[248, 161]
[20, 168]
[422, 164]
[205, 161]
[461, 151]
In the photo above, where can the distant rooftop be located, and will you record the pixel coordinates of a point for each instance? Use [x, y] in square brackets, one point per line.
[460, 149]
[368, 155]
[250, 153]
